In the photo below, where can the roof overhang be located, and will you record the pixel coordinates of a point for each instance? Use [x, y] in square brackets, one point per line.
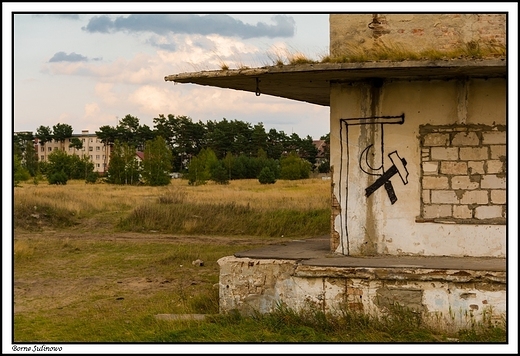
[311, 82]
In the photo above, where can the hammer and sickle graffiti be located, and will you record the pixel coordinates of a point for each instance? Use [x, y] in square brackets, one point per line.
[398, 163]
[399, 166]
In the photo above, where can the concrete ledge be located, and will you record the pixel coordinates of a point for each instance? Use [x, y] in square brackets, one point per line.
[450, 292]
[316, 252]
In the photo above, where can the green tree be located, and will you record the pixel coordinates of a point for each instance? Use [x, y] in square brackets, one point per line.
[228, 163]
[267, 176]
[157, 162]
[76, 143]
[44, 135]
[19, 172]
[275, 143]
[59, 168]
[81, 167]
[58, 178]
[219, 173]
[108, 136]
[259, 138]
[199, 170]
[62, 132]
[24, 147]
[124, 167]
[185, 138]
[308, 150]
[293, 167]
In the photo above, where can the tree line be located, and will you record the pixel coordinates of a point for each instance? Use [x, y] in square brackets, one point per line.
[215, 150]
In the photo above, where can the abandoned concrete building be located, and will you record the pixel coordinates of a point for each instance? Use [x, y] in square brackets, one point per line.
[418, 187]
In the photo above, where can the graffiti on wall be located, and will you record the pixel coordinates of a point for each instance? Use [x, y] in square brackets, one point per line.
[398, 163]
[374, 167]
[399, 166]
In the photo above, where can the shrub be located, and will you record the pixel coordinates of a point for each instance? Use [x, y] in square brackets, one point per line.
[58, 178]
[293, 167]
[92, 178]
[266, 176]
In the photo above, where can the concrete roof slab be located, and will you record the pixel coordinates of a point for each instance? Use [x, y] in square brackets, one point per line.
[311, 82]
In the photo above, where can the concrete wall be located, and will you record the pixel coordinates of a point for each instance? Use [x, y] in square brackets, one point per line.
[447, 299]
[418, 32]
[452, 199]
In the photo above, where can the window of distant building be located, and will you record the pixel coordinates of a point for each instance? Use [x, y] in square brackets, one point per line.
[91, 148]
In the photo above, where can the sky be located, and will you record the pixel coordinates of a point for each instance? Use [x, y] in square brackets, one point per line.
[90, 64]
[91, 70]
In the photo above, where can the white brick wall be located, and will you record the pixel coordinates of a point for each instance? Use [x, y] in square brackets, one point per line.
[464, 173]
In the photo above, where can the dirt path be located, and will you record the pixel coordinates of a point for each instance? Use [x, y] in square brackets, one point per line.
[40, 289]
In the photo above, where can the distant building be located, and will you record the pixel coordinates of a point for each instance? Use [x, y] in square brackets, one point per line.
[321, 145]
[93, 148]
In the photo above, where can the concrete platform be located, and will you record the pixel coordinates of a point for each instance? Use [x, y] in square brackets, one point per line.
[450, 292]
[316, 252]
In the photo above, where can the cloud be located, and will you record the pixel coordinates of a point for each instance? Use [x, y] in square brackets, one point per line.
[224, 25]
[68, 16]
[72, 57]
[143, 69]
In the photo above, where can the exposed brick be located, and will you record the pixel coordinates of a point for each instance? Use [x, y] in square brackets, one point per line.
[354, 291]
[445, 153]
[465, 139]
[498, 196]
[435, 183]
[463, 182]
[498, 151]
[444, 197]
[430, 167]
[454, 167]
[436, 211]
[488, 212]
[494, 166]
[462, 212]
[493, 182]
[426, 196]
[475, 197]
[494, 138]
[474, 153]
[436, 139]
[476, 167]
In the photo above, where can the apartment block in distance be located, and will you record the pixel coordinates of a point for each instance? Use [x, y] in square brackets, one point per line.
[93, 148]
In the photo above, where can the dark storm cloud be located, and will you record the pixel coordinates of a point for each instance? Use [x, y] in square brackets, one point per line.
[224, 25]
[72, 57]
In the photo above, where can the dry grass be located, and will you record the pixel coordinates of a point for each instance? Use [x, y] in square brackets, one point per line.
[395, 52]
[81, 198]
[103, 207]
[301, 194]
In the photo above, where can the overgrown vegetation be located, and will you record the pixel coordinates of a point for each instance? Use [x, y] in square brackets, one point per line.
[79, 278]
[217, 151]
[395, 52]
[242, 207]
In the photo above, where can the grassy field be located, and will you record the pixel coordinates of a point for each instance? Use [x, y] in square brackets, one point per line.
[99, 263]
